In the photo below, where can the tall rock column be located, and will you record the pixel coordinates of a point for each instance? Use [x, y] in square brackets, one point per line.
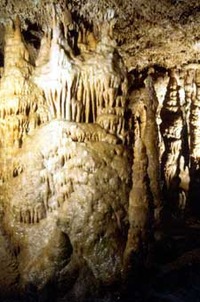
[66, 196]
[145, 196]
[195, 145]
[189, 87]
[172, 132]
[151, 139]
[194, 120]
[139, 198]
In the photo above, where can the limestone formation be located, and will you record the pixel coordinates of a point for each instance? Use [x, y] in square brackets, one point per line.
[139, 199]
[145, 200]
[20, 98]
[64, 160]
[194, 138]
[194, 119]
[180, 129]
[172, 132]
[99, 143]
[78, 88]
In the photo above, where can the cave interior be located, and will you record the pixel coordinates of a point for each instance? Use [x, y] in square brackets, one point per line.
[99, 151]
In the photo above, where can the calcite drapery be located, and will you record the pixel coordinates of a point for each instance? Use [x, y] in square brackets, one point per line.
[68, 197]
[20, 98]
[65, 161]
[68, 168]
[78, 88]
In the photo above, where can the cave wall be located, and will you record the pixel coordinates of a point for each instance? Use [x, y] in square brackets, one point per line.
[93, 159]
[65, 163]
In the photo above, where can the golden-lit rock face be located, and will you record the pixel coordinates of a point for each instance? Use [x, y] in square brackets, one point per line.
[95, 144]
[152, 32]
[65, 162]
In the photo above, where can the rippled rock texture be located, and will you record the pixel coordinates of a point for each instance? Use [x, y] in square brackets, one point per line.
[99, 150]
[65, 166]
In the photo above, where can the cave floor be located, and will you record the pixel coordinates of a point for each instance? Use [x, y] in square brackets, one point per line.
[175, 273]
[172, 276]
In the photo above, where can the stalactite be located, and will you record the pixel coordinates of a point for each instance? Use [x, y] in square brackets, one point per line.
[17, 94]
[83, 90]
[82, 100]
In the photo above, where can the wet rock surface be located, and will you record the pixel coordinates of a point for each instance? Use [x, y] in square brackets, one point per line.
[99, 151]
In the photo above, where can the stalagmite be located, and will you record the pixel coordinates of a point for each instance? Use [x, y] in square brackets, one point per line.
[17, 94]
[78, 156]
[139, 199]
[194, 140]
[145, 199]
[172, 131]
[194, 119]
[151, 140]
[189, 90]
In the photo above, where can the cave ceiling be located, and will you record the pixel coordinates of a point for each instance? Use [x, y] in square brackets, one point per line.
[163, 33]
